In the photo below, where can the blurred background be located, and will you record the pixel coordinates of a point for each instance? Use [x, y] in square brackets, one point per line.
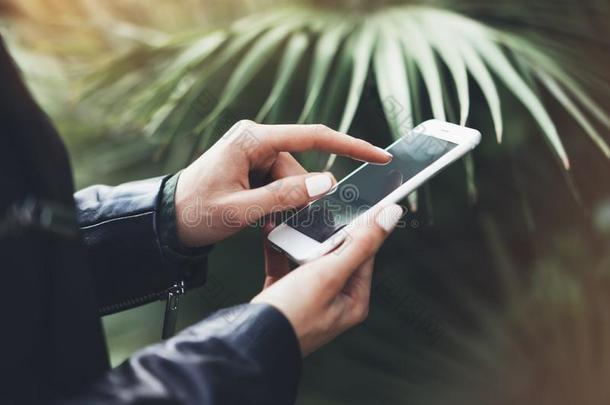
[495, 291]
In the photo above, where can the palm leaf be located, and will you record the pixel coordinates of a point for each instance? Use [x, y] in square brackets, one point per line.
[340, 74]
[292, 55]
[393, 83]
[233, 48]
[361, 57]
[408, 46]
[361, 60]
[498, 62]
[560, 95]
[249, 66]
[548, 70]
[471, 187]
[417, 46]
[324, 53]
[482, 76]
[175, 78]
[441, 41]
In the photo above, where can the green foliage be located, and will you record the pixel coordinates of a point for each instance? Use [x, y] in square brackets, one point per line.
[548, 346]
[155, 87]
[459, 313]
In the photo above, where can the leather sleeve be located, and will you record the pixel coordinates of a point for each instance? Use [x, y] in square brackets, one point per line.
[121, 229]
[247, 354]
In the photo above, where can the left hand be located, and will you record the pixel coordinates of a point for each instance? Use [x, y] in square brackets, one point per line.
[328, 295]
[249, 173]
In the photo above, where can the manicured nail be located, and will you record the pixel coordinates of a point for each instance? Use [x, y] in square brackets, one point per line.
[388, 217]
[318, 184]
[385, 152]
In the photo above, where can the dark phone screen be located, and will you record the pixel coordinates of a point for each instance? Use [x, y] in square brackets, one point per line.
[369, 185]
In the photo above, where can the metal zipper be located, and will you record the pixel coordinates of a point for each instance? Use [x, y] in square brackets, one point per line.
[131, 303]
[171, 310]
[172, 297]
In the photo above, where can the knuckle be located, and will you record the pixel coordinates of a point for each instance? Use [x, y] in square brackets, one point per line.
[289, 196]
[239, 128]
[280, 198]
[321, 128]
[247, 138]
[246, 124]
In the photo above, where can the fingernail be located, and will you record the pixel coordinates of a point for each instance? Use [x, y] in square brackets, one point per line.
[388, 217]
[318, 184]
[385, 152]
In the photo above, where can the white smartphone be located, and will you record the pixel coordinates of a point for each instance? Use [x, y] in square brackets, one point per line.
[428, 148]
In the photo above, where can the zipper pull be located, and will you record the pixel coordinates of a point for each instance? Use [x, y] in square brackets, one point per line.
[171, 310]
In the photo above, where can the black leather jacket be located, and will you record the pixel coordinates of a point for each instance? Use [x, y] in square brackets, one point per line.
[66, 259]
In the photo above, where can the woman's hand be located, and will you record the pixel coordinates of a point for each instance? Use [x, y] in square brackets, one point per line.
[327, 296]
[249, 173]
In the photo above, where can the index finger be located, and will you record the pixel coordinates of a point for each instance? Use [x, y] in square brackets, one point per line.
[300, 138]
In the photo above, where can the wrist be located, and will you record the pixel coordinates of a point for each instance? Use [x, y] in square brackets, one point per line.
[299, 325]
[188, 209]
[170, 228]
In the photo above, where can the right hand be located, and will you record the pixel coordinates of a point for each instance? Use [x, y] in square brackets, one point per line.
[329, 295]
[250, 173]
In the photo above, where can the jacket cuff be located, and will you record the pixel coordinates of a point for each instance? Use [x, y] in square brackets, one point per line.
[260, 332]
[120, 229]
[169, 242]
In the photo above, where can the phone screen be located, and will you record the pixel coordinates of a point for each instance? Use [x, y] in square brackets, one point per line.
[367, 186]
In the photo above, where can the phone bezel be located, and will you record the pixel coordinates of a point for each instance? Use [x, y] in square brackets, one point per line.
[301, 248]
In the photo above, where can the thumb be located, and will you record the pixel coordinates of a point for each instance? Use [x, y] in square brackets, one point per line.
[363, 237]
[283, 194]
